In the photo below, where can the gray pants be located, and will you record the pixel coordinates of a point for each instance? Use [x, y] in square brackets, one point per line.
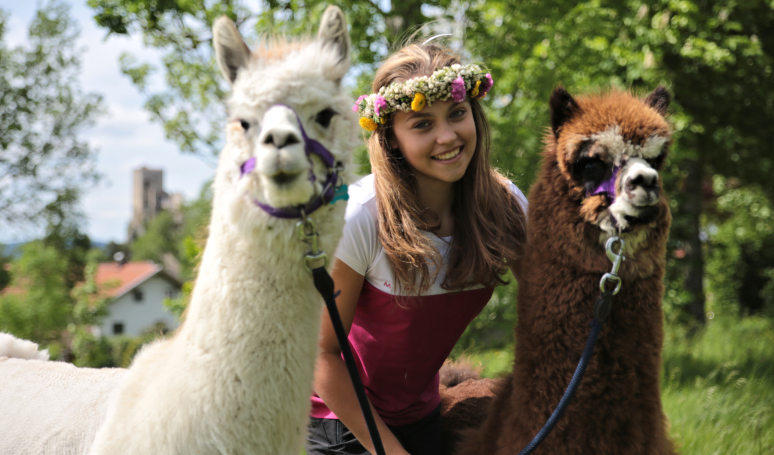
[331, 437]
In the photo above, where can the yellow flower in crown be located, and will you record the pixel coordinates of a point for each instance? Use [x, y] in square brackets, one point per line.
[418, 103]
[367, 124]
[456, 82]
[474, 92]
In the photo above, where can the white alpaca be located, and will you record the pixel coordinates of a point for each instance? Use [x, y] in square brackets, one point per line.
[237, 376]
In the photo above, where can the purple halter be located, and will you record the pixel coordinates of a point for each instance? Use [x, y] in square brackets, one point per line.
[330, 192]
[606, 187]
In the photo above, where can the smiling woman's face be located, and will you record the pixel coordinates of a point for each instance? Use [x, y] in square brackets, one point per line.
[438, 142]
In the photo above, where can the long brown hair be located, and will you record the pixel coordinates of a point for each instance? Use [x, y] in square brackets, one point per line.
[489, 224]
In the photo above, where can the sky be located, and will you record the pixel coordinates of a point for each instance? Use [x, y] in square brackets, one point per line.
[125, 138]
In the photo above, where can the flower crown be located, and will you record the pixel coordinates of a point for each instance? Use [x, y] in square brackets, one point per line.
[457, 81]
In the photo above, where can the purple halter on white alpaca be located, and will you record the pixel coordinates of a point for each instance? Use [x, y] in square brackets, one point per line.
[330, 193]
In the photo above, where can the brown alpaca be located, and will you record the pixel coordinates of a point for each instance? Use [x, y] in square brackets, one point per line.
[617, 407]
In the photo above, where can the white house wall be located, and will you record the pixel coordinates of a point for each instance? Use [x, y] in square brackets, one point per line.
[140, 316]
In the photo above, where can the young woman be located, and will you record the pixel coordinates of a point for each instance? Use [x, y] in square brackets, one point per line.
[427, 237]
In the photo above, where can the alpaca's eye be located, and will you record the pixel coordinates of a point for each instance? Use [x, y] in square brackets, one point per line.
[324, 117]
[245, 124]
[590, 170]
[593, 171]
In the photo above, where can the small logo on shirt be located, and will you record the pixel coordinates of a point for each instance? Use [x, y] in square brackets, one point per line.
[387, 285]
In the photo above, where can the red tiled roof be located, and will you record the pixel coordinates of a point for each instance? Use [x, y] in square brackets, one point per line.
[116, 279]
[124, 277]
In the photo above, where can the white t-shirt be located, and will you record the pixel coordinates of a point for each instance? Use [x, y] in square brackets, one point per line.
[360, 248]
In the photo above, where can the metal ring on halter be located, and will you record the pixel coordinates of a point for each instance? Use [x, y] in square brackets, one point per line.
[610, 277]
[616, 259]
[310, 237]
[310, 258]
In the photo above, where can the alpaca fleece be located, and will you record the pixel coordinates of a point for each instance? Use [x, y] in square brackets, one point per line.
[617, 408]
[237, 375]
[464, 407]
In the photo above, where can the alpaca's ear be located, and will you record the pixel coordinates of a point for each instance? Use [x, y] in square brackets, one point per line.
[230, 49]
[659, 100]
[563, 108]
[333, 33]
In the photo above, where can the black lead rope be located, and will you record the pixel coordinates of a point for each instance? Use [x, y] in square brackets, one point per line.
[324, 284]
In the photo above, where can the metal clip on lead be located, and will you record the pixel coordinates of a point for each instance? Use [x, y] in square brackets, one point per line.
[308, 234]
[616, 259]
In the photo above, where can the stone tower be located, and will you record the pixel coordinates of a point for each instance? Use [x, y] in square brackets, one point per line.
[149, 198]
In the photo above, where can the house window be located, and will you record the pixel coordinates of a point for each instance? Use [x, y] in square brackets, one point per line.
[118, 328]
[170, 293]
[138, 295]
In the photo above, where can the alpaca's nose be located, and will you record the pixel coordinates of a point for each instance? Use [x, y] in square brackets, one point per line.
[647, 182]
[641, 185]
[280, 137]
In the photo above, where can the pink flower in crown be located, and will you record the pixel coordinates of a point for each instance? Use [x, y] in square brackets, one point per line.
[486, 84]
[458, 90]
[356, 107]
[379, 104]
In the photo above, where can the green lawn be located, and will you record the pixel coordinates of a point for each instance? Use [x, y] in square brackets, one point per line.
[717, 387]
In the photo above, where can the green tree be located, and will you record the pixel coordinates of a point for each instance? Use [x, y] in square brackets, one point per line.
[162, 235]
[63, 217]
[5, 263]
[196, 218]
[190, 107]
[42, 113]
[740, 259]
[88, 349]
[39, 307]
[716, 57]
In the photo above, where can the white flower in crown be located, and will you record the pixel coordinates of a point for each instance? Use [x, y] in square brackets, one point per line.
[457, 81]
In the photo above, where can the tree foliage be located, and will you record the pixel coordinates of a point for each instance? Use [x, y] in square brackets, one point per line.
[715, 58]
[162, 235]
[189, 106]
[38, 307]
[740, 259]
[42, 113]
[707, 53]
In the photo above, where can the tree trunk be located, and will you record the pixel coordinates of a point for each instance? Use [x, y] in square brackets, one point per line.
[694, 272]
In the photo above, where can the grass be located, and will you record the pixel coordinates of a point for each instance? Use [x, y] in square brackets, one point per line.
[717, 385]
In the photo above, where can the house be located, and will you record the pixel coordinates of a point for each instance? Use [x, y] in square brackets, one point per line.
[137, 290]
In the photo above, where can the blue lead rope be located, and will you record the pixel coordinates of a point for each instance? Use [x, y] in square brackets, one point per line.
[596, 326]
[601, 311]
